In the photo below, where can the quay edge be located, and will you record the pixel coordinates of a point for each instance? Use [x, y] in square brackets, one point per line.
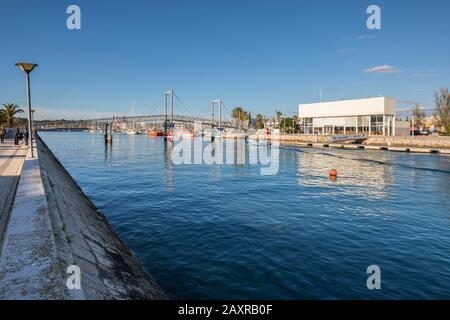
[424, 145]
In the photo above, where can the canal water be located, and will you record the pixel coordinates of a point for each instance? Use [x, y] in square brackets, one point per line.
[227, 232]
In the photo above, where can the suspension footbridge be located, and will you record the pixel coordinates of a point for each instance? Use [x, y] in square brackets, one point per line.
[175, 115]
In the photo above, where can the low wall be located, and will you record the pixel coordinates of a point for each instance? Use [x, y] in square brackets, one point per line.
[409, 141]
[438, 142]
[86, 239]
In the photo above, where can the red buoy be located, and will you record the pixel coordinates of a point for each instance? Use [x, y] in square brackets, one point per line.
[333, 173]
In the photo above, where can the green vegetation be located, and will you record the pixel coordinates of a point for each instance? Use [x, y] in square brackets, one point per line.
[240, 115]
[289, 125]
[259, 121]
[8, 115]
[278, 115]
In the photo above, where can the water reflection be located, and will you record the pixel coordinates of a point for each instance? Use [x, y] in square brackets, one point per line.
[355, 177]
[168, 181]
[108, 153]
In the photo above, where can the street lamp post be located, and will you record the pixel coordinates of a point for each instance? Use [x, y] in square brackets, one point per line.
[27, 68]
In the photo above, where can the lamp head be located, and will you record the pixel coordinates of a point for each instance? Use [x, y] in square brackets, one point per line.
[27, 67]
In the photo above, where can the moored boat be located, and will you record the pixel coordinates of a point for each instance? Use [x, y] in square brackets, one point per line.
[155, 133]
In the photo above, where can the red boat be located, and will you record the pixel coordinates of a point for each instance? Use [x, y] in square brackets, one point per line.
[155, 133]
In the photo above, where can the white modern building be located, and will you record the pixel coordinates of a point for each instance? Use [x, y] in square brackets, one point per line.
[372, 116]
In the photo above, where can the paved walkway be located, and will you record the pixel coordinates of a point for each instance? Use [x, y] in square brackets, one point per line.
[29, 267]
[11, 162]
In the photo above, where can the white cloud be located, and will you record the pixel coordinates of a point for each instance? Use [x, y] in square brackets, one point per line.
[383, 69]
[360, 37]
[346, 51]
[365, 37]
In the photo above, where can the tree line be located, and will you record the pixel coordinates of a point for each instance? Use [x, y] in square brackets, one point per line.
[244, 118]
[441, 116]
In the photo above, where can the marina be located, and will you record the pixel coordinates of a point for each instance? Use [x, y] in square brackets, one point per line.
[221, 248]
[225, 159]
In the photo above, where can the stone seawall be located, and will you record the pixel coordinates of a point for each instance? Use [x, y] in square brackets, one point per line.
[65, 229]
[414, 142]
[85, 238]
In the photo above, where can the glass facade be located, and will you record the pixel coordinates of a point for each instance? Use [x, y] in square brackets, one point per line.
[368, 124]
[363, 124]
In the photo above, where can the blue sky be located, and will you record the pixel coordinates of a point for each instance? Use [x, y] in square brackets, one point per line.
[259, 54]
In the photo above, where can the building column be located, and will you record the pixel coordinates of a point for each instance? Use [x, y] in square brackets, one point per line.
[384, 124]
[393, 125]
[389, 125]
[370, 125]
[356, 122]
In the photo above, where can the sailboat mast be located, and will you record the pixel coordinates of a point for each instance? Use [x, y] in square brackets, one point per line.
[132, 115]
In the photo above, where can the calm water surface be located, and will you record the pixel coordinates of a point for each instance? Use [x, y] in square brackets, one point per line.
[226, 232]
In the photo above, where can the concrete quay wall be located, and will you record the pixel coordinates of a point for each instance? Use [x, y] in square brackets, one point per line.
[434, 142]
[54, 225]
[409, 141]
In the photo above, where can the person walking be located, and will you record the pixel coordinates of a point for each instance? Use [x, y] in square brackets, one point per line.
[25, 136]
[2, 134]
[17, 136]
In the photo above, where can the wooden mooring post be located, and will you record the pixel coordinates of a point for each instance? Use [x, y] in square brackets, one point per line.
[108, 133]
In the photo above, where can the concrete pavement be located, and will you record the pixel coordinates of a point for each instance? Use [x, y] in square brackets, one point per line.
[11, 162]
[29, 267]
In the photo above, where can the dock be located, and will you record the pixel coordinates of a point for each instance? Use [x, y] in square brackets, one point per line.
[372, 147]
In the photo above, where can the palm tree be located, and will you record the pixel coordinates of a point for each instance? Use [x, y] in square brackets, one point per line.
[278, 115]
[239, 114]
[9, 112]
[259, 121]
[2, 118]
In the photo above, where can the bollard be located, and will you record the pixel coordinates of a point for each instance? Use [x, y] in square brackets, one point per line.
[108, 134]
